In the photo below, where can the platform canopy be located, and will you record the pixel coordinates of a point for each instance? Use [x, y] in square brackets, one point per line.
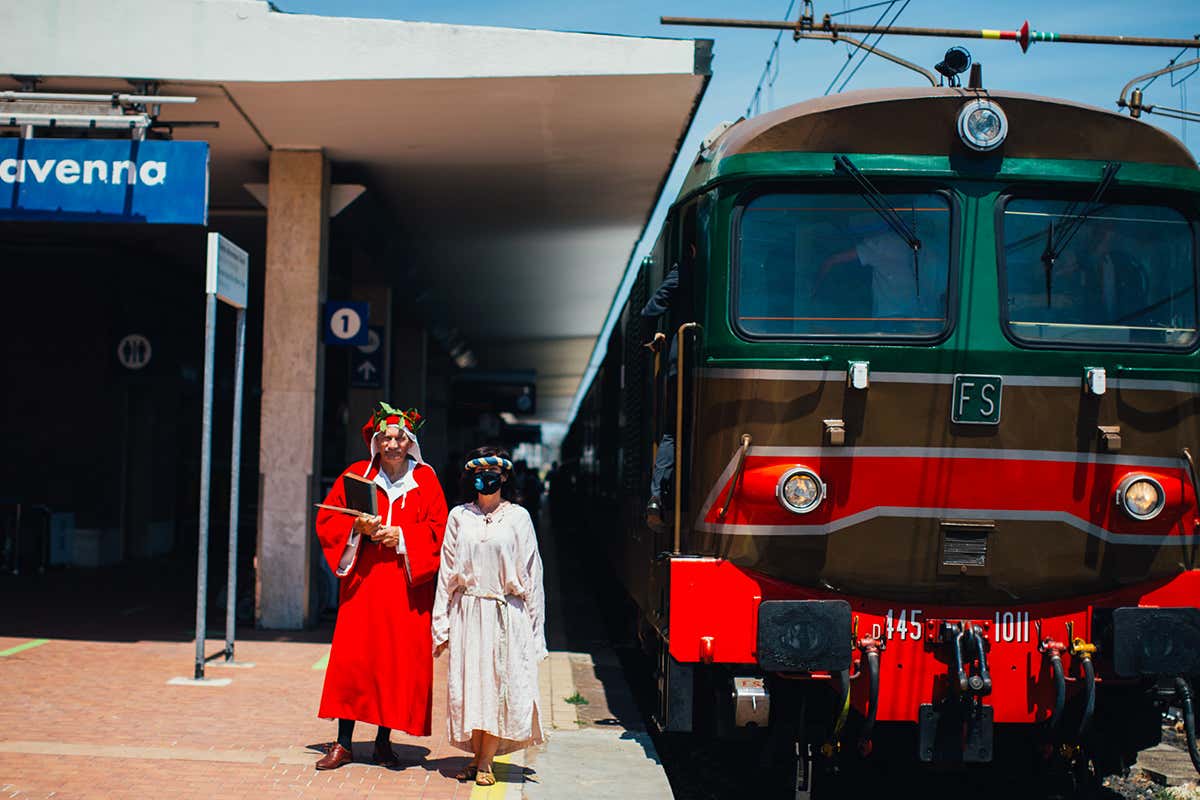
[519, 167]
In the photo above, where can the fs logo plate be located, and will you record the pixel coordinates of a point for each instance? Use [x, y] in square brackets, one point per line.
[976, 399]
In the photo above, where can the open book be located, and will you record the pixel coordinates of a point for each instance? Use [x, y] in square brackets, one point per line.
[360, 499]
[360, 496]
[360, 493]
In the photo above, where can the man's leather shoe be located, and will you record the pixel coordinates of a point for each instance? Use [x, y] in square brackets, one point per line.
[337, 756]
[654, 519]
[384, 756]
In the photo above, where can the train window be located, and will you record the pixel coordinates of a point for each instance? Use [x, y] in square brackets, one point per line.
[831, 266]
[1124, 277]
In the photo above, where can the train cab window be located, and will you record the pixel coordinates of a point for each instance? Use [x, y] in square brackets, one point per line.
[1123, 277]
[831, 266]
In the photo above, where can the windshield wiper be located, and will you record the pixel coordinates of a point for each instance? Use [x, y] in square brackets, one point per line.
[879, 204]
[1056, 245]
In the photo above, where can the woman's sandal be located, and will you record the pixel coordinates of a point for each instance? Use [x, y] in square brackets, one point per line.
[466, 773]
[485, 777]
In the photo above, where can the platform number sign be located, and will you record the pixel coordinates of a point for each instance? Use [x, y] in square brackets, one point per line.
[346, 323]
[976, 399]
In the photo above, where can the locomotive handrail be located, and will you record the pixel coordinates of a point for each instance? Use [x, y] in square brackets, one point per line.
[679, 337]
[1187, 456]
[737, 474]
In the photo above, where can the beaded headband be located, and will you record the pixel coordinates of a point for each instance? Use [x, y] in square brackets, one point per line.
[489, 461]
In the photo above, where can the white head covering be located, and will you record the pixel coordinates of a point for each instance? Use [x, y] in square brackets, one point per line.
[414, 452]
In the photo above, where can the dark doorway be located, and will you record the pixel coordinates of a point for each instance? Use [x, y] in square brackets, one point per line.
[102, 365]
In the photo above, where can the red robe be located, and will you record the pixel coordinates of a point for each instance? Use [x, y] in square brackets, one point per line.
[381, 664]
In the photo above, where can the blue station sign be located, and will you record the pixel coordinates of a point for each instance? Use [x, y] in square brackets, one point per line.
[104, 180]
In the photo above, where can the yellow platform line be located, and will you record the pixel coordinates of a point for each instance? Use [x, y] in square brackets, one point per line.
[323, 663]
[12, 651]
[507, 774]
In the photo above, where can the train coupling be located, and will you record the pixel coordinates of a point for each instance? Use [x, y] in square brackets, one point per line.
[751, 703]
[970, 675]
[959, 728]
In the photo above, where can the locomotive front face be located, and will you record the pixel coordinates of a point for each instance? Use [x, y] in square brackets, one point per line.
[971, 407]
[967, 415]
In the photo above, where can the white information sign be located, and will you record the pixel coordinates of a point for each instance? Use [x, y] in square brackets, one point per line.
[228, 275]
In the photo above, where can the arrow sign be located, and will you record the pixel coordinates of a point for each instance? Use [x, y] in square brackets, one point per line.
[368, 362]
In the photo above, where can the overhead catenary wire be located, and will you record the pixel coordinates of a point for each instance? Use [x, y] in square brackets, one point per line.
[850, 56]
[1183, 114]
[772, 59]
[860, 8]
[1171, 63]
[878, 39]
[1183, 105]
[866, 52]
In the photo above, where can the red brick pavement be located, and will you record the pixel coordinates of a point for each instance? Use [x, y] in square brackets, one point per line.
[85, 719]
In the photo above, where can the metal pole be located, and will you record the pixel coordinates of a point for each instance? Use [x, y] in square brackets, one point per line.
[126, 428]
[953, 33]
[115, 99]
[235, 468]
[210, 336]
[103, 121]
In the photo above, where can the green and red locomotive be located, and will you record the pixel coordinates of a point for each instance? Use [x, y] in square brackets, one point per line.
[933, 395]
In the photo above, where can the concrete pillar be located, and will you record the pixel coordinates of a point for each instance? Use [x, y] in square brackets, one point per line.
[292, 386]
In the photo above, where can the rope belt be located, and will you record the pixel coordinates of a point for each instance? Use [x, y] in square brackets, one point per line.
[502, 610]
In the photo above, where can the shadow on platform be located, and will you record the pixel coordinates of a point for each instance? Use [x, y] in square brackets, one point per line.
[153, 600]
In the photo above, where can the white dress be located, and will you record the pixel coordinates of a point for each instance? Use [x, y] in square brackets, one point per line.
[491, 608]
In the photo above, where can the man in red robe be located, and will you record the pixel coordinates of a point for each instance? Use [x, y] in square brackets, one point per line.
[381, 665]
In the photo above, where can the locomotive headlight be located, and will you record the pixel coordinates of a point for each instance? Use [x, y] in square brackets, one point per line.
[1140, 496]
[800, 490]
[982, 125]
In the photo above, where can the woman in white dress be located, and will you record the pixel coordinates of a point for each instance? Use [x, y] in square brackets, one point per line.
[489, 612]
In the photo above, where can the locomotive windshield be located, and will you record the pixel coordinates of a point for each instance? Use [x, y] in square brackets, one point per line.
[831, 266]
[1126, 276]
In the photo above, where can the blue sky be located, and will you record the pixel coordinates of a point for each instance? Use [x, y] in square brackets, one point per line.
[1085, 73]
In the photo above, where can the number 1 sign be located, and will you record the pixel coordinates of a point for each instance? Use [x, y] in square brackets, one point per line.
[345, 323]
